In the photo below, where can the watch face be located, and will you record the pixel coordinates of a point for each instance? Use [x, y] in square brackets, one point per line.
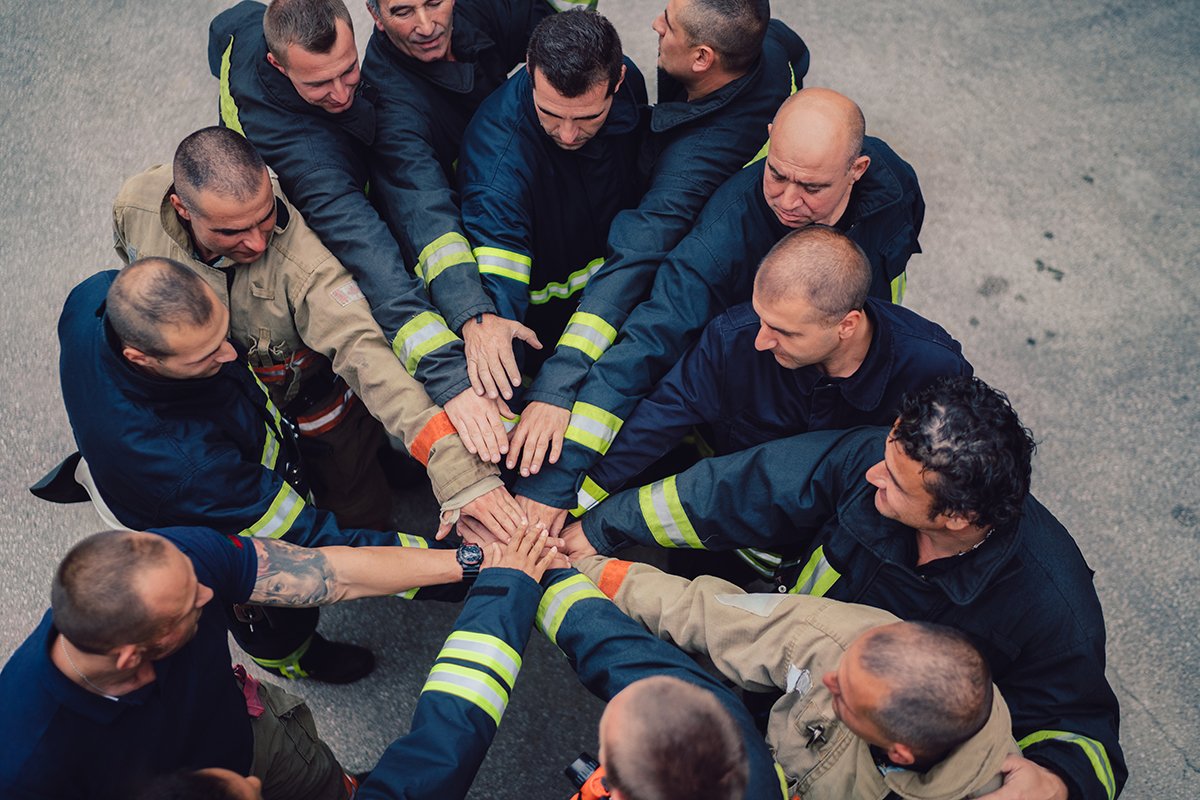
[470, 555]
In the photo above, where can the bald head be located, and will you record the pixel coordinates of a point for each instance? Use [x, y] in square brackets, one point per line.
[153, 294]
[939, 688]
[663, 738]
[96, 594]
[818, 265]
[824, 124]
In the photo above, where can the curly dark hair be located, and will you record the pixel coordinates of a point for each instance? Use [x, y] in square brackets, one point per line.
[967, 435]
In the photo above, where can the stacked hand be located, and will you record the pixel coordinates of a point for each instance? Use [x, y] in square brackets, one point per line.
[491, 365]
[526, 552]
[542, 426]
[497, 513]
[478, 422]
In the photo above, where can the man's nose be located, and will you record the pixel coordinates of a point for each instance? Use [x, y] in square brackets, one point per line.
[764, 341]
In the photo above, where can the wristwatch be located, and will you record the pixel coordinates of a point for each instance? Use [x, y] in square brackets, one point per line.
[470, 558]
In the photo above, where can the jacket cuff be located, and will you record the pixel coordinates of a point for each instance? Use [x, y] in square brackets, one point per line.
[549, 397]
[462, 317]
[442, 392]
[456, 501]
[550, 487]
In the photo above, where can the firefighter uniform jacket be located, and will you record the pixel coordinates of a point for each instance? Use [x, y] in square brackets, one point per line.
[422, 110]
[745, 397]
[212, 452]
[465, 695]
[692, 147]
[298, 296]
[1025, 596]
[537, 215]
[785, 644]
[712, 269]
[321, 160]
[610, 651]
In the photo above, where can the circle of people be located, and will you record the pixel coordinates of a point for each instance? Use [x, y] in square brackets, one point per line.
[592, 323]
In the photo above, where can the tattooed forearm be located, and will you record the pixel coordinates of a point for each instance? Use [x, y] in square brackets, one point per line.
[292, 576]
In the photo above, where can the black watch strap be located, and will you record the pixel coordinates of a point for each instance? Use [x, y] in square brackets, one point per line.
[470, 558]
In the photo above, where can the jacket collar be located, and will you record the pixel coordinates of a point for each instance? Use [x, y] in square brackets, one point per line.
[864, 389]
[877, 189]
[467, 41]
[673, 108]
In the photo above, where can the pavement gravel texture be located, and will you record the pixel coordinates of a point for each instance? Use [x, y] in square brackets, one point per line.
[1056, 144]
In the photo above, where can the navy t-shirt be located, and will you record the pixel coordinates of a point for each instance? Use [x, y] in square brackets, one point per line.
[59, 740]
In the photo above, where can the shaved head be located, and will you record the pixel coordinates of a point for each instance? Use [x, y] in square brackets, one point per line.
[663, 738]
[820, 126]
[153, 294]
[819, 265]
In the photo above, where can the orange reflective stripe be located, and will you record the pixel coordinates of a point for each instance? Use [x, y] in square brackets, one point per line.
[435, 429]
[318, 422]
[276, 373]
[613, 576]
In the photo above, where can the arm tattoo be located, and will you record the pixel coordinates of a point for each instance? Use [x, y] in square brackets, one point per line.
[289, 575]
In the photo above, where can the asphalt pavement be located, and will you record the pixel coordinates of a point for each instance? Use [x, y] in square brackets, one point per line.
[1056, 145]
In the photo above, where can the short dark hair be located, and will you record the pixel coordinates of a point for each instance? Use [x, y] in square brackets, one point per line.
[821, 264]
[973, 449]
[679, 741]
[186, 784]
[95, 605]
[575, 50]
[217, 160]
[735, 29]
[939, 686]
[311, 25]
[151, 294]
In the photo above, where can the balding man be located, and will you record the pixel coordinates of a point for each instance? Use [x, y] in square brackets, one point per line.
[818, 169]
[870, 705]
[306, 328]
[176, 430]
[128, 675]
[811, 352]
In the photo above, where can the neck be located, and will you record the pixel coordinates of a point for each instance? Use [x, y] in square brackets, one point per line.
[935, 544]
[852, 352]
[97, 674]
[708, 82]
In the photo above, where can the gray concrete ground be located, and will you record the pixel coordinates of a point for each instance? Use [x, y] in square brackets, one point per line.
[1056, 145]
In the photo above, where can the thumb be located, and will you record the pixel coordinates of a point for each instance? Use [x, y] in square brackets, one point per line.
[445, 523]
[528, 336]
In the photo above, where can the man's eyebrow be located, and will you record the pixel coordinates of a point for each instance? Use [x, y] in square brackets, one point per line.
[232, 231]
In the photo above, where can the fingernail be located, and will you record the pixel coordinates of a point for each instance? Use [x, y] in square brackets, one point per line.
[524, 473]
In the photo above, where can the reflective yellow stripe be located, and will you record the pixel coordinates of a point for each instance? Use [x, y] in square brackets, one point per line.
[761, 561]
[559, 598]
[574, 283]
[489, 651]
[817, 576]
[279, 517]
[762, 152]
[472, 685]
[408, 540]
[504, 263]
[288, 666]
[589, 333]
[1094, 751]
[589, 496]
[664, 515]
[228, 106]
[420, 336]
[899, 286]
[568, 5]
[592, 427]
[442, 253]
[782, 781]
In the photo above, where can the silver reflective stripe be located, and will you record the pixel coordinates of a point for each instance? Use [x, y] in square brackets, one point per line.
[658, 497]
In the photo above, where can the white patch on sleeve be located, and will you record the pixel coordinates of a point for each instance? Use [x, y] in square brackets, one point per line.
[798, 680]
[347, 293]
[758, 604]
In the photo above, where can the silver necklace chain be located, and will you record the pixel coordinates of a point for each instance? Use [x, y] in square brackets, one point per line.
[62, 640]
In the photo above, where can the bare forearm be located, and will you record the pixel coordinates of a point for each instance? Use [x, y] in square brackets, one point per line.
[300, 576]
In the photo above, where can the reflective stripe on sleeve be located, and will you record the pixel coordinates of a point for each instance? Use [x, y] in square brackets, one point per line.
[592, 427]
[817, 576]
[663, 514]
[559, 598]
[899, 286]
[1094, 751]
[472, 685]
[228, 106]
[408, 540]
[761, 561]
[446, 251]
[574, 283]
[278, 519]
[481, 648]
[420, 336]
[589, 496]
[589, 333]
[504, 263]
[436, 429]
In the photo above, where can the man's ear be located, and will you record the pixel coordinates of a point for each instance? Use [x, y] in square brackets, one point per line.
[620, 80]
[956, 522]
[271, 60]
[128, 656]
[135, 356]
[859, 167]
[704, 58]
[901, 754]
[177, 204]
[849, 324]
